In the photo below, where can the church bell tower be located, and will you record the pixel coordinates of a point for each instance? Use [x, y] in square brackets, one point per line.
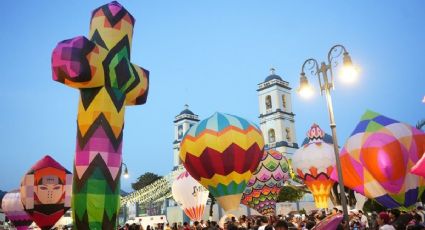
[276, 117]
[182, 123]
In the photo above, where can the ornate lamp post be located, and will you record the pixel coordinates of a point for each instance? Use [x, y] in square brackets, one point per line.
[326, 84]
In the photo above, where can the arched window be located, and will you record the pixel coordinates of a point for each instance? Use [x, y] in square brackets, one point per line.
[288, 134]
[268, 102]
[272, 138]
[284, 101]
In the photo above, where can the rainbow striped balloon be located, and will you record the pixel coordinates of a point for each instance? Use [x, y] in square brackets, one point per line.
[222, 152]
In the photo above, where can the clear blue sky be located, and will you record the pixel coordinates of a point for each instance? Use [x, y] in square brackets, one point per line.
[211, 55]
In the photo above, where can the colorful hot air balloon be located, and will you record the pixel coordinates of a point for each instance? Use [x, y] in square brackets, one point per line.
[222, 152]
[377, 158]
[46, 192]
[14, 210]
[314, 162]
[263, 188]
[190, 195]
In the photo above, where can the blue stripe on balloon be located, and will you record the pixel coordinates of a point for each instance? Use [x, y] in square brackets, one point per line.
[222, 122]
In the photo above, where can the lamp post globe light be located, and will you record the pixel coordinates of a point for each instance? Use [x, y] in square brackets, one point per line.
[348, 74]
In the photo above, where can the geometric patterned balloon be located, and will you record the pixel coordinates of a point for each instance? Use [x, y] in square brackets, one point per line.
[100, 68]
[190, 195]
[46, 192]
[264, 186]
[313, 163]
[14, 210]
[377, 158]
[221, 153]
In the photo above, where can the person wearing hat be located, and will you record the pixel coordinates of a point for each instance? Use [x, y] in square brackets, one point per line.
[383, 221]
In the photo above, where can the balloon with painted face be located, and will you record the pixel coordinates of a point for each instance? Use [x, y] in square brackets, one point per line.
[377, 159]
[46, 192]
[222, 152]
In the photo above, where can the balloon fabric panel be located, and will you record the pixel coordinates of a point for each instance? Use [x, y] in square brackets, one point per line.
[377, 158]
[100, 68]
[222, 152]
[46, 192]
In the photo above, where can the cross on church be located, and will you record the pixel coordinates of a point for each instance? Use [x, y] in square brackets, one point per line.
[100, 68]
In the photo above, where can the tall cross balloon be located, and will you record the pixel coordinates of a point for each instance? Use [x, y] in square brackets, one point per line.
[100, 68]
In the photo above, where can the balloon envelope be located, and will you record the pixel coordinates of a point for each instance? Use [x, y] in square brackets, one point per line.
[263, 188]
[190, 195]
[222, 152]
[330, 222]
[46, 192]
[377, 158]
[14, 210]
[313, 163]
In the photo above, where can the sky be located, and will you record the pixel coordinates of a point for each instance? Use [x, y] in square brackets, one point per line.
[210, 55]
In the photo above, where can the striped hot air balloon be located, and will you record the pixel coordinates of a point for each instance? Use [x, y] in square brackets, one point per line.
[222, 152]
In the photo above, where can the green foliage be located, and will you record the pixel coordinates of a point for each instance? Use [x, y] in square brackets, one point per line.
[145, 180]
[371, 205]
[290, 194]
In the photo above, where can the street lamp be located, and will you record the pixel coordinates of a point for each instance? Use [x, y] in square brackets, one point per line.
[126, 175]
[349, 74]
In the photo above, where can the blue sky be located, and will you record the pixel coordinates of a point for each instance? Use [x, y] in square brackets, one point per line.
[210, 55]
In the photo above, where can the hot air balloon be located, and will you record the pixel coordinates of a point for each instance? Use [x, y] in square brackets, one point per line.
[46, 192]
[221, 153]
[314, 162]
[377, 158]
[190, 195]
[14, 210]
[263, 188]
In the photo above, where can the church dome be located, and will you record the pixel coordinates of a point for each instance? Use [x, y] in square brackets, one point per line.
[186, 111]
[273, 76]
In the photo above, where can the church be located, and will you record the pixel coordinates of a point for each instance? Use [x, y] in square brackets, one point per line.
[277, 123]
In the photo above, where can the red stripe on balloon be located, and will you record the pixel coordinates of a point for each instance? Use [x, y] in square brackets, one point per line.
[233, 159]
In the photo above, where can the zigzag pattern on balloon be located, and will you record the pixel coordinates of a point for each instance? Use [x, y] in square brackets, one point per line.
[101, 69]
[267, 176]
[220, 141]
[232, 159]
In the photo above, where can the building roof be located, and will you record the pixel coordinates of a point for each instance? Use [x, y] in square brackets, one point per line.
[272, 76]
[186, 111]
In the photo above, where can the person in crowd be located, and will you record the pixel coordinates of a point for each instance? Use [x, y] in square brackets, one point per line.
[334, 211]
[383, 221]
[363, 219]
[420, 211]
[186, 226]
[281, 225]
[167, 227]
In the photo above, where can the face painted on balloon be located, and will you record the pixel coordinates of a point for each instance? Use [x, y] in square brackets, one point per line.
[49, 189]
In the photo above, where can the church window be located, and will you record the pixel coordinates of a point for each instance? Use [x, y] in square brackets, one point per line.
[288, 134]
[284, 101]
[272, 138]
[268, 102]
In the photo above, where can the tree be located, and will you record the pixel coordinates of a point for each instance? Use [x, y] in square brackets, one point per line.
[290, 194]
[371, 205]
[145, 180]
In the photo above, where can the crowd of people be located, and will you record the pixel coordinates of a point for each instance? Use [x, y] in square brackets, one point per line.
[393, 219]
